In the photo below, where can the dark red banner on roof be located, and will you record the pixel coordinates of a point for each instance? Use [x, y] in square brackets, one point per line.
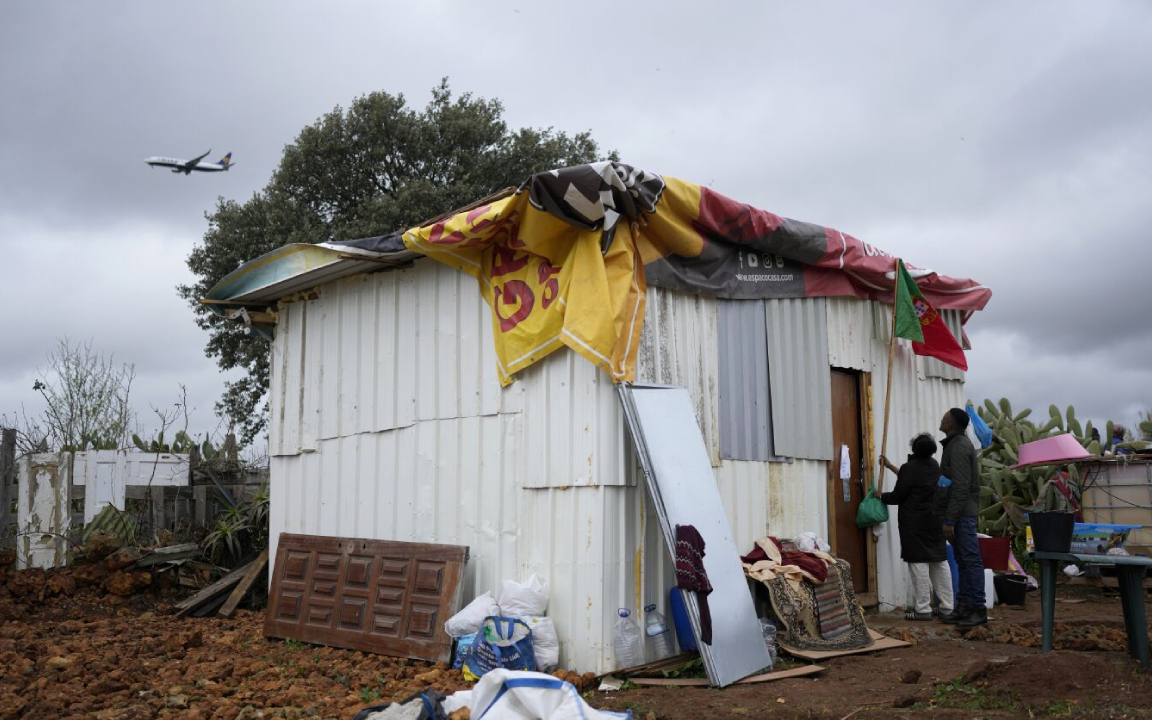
[750, 253]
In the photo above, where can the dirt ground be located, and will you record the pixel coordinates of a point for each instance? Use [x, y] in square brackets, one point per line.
[991, 672]
[73, 648]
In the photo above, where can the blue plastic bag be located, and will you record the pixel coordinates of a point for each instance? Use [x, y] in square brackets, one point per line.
[502, 642]
[983, 432]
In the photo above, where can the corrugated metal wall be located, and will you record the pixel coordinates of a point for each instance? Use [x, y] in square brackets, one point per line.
[745, 402]
[367, 441]
[574, 434]
[800, 377]
[678, 347]
[379, 352]
[388, 422]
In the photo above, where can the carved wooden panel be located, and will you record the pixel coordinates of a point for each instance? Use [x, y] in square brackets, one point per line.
[378, 596]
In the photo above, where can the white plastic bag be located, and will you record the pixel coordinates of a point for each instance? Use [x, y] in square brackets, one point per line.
[522, 600]
[810, 541]
[469, 620]
[519, 695]
[545, 643]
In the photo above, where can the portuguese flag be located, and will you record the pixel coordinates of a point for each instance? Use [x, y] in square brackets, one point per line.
[919, 322]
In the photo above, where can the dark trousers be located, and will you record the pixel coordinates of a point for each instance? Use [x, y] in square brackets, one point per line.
[968, 562]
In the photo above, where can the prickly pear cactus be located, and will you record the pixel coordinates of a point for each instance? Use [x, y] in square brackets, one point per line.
[1006, 494]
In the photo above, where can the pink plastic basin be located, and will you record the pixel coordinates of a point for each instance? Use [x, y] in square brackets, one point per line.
[1055, 450]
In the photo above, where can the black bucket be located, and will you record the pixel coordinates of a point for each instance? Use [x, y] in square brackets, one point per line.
[1011, 589]
[1052, 531]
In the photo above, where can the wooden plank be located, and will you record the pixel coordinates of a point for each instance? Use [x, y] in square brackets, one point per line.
[168, 554]
[377, 596]
[655, 667]
[217, 588]
[209, 607]
[766, 677]
[245, 584]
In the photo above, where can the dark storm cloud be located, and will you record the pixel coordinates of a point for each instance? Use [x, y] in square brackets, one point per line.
[1011, 143]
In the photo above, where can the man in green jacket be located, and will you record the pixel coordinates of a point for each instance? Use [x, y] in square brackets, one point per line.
[960, 475]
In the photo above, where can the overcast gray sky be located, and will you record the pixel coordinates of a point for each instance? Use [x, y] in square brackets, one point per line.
[1007, 142]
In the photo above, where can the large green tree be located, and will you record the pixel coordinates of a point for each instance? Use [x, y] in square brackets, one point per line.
[375, 168]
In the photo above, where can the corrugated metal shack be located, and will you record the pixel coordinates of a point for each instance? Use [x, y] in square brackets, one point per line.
[388, 421]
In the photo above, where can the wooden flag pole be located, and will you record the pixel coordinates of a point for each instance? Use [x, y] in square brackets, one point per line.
[888, 385]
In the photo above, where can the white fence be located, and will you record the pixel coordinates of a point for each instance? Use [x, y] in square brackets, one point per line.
[105, 475]
[59, 492]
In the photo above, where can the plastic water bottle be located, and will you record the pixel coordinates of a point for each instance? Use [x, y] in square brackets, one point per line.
[658, 632]
[627, 642]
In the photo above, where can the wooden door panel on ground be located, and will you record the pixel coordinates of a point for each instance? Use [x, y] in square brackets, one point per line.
[373, 595]
[848, 541]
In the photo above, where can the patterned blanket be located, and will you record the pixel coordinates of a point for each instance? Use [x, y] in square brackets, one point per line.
[819, 616]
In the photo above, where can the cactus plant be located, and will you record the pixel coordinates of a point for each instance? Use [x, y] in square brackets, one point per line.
[182, 443]
[1008, 494]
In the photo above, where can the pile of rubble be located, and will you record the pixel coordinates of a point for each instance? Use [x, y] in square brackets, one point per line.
[1086, 638]
[104, 572]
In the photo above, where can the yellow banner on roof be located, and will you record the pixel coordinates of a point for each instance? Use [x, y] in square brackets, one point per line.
[567, 260]
[552, 283]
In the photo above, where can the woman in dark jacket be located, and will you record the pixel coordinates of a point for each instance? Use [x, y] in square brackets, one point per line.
[920, 521]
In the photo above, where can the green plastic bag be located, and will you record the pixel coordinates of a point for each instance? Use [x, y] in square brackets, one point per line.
[871, 511]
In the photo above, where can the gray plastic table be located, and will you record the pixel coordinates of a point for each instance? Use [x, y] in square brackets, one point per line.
[1130, 573]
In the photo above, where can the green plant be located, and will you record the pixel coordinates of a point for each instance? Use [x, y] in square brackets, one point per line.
[692, 668]
[238, 531]
[293, 645]
[182, 443]
[369, 695]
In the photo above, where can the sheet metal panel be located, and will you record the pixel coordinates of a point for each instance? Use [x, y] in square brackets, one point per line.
[850, 333]
[745, 489]
[797, 498]
[745, 400]
[584, 542]
[383, 351]
[800, 378]
[678, 346]
[574, 431]
[671, 449]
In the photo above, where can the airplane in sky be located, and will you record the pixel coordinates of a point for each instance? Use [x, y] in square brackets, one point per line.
[187, 166]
